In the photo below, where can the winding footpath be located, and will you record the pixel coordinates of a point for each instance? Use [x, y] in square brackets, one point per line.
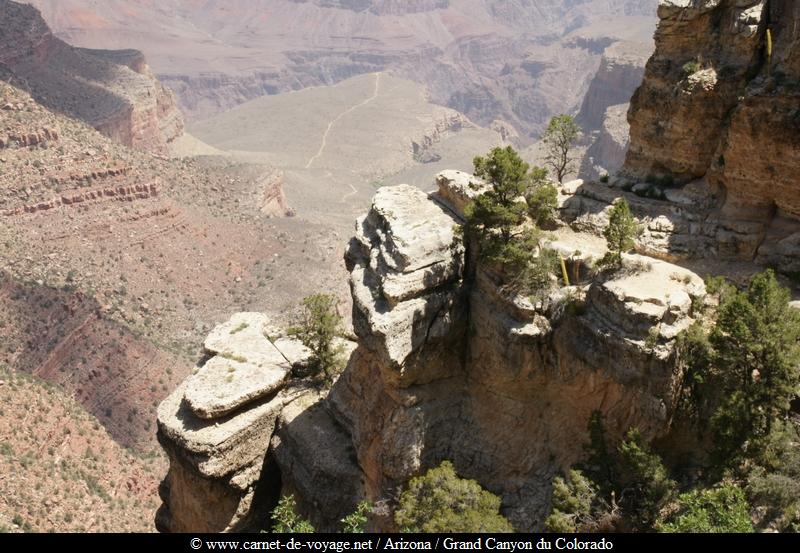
[338, 117]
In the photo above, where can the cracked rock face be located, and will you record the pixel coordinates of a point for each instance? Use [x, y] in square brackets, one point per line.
[509, 399]
[715, 108]
[217, 426]
[406, 264]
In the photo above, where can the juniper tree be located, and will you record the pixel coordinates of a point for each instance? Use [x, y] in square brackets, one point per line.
[619, 233]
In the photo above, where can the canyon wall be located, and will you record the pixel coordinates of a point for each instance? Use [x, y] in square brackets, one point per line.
[718, 109]
[448, 365]
[113, 91]
[603, 113]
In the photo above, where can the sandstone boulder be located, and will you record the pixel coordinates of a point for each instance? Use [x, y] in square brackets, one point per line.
[457, 189]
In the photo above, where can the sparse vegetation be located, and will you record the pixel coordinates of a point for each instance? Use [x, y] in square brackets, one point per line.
[691, 67]
[285, 519]
[619, 234]
[356, 522]
[742, 371]
[240, 327]
[542, 198]
[497, 220]
[319, 326]
[719, 510]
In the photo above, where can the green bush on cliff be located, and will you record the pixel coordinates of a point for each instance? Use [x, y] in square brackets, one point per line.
[723, 509]
[755, 366]
[319, 325]
[644, 484]
[440, 501]
[356, 522]
[620, 233]
[496, 214]
[542, 198]
[496, 219]
[774, 484]
[577, 506]
[285, 519]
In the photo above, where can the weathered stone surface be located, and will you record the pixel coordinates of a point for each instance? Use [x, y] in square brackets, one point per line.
[244, 336]
[317, 462]
[457, 189]
[713, 109]
[298, 355]
[508, 412]
[503, 386]
[223, 385]
[247, 366]
[215, 465]
[406, 264]
[220, 447]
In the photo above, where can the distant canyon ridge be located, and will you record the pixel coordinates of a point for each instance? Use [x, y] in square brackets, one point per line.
[501, 63]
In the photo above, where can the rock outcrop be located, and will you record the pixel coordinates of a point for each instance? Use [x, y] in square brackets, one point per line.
[448, 366]
[113, 91]
[603, 112]
[216, 428]
[718, 110]
[620, 74]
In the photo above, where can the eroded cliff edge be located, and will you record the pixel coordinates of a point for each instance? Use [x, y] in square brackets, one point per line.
[447, 366]
[114, 91]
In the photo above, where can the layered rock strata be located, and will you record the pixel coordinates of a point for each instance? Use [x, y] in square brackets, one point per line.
[603, 112]
[113, 91]
[216, 428]
[719, 110]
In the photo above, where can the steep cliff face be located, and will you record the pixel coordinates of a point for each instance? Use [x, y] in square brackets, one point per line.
[718, 109]
[603, 112]
[449, 366]
[620, 73]
[112, 90]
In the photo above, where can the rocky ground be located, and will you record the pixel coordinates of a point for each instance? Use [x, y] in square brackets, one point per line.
[116, 262]
[62, 471]
[111, 90]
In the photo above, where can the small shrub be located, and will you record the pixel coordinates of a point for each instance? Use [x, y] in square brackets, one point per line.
[285, 519]
[620, 233]
[356, 522]
[575, 504]
[320, 324]
[440, 501]
[691, 67]
[646, 486]
[719, 510]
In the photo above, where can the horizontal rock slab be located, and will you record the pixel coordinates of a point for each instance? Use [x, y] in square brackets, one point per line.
[243, 336]
[247, 366]
[218, 448]
[223, 385]
[657, 295]
[414, 231]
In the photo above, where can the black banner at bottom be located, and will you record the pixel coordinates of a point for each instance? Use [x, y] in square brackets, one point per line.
[339, 543]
